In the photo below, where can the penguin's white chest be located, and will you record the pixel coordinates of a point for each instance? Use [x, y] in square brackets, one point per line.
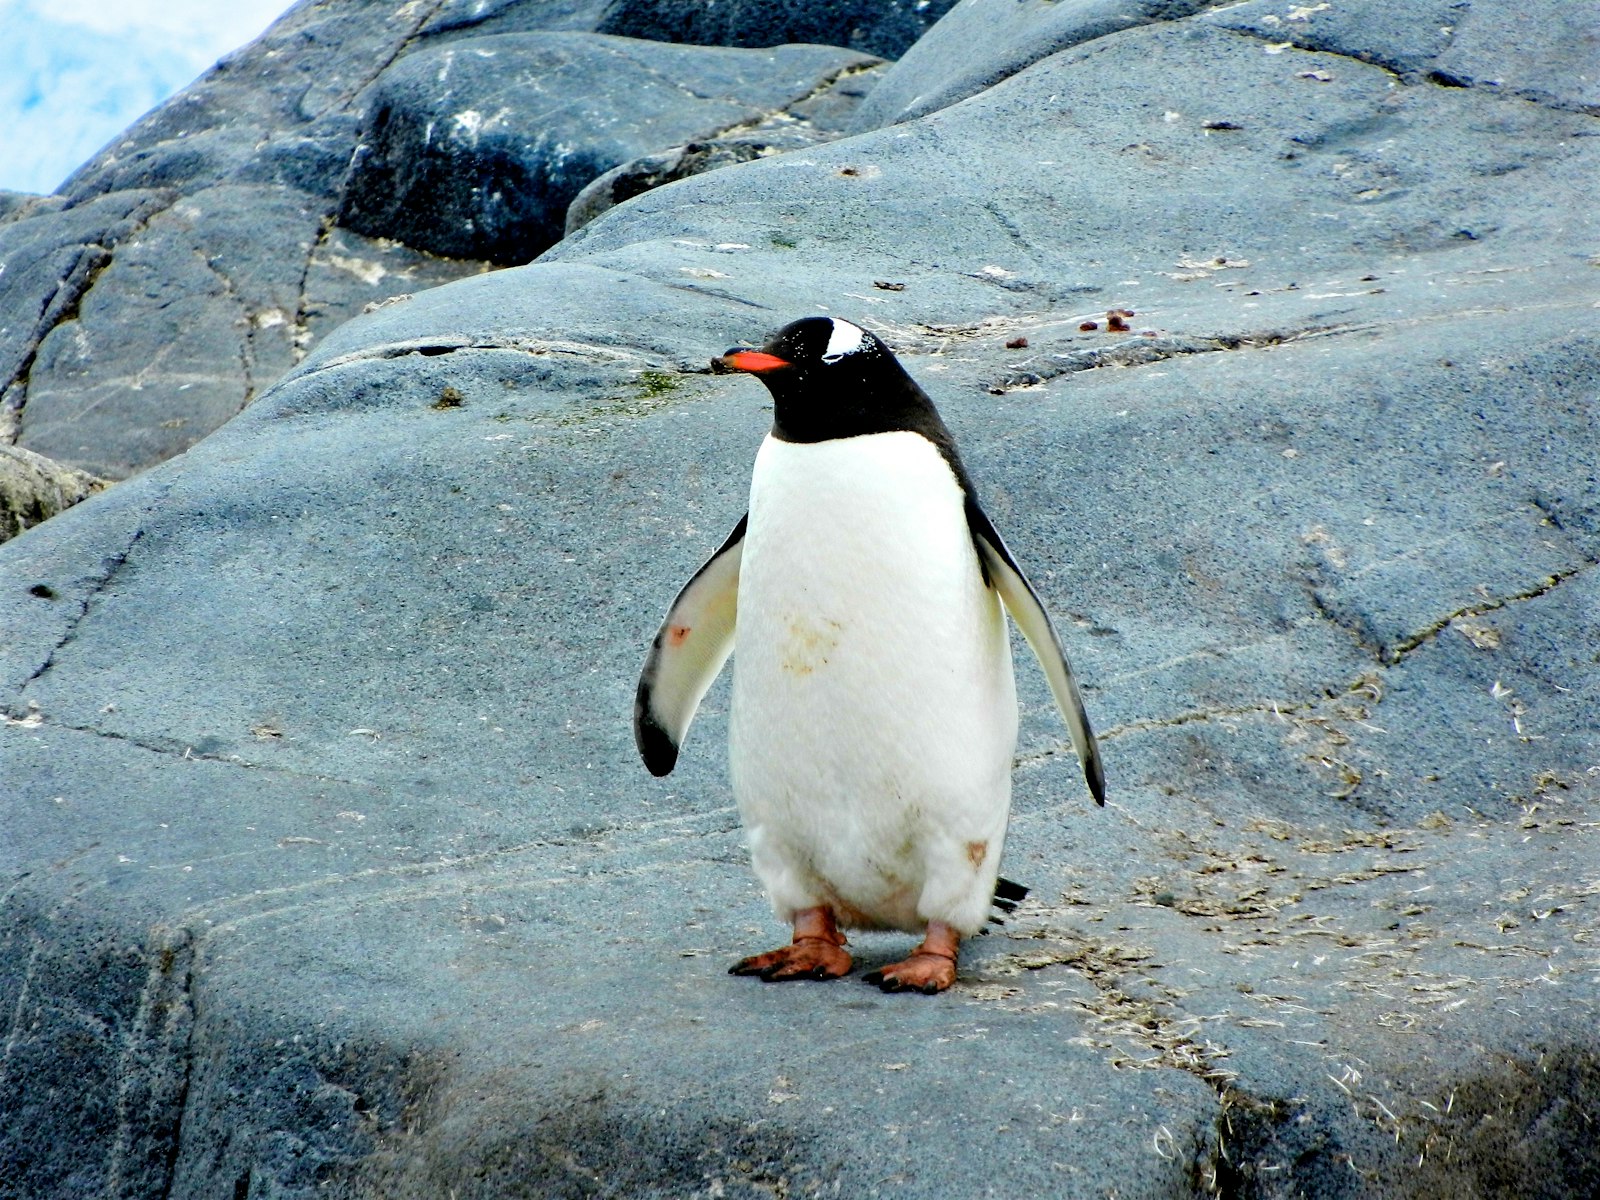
[874, 714]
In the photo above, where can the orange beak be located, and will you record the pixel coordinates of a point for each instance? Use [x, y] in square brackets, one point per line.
[756, 362]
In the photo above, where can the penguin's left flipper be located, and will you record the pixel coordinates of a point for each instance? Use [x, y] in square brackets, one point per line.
[1023, 604]
[690, 648]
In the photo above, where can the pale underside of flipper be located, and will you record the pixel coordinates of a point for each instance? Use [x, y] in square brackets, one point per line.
[693, 644]
[1017, 594]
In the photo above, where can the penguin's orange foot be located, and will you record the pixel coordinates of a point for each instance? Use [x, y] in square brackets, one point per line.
[930, 969]
[809, 958]
[816, 953]
[922, 972]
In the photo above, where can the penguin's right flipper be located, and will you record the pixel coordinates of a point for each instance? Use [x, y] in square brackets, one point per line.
[1022, 602]
[693, 643]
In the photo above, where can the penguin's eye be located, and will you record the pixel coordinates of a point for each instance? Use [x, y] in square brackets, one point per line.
[830, 359]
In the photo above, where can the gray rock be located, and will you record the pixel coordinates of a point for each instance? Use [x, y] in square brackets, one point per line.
[194, 303]
[195, 259]
[819, 117]
[15, 204]
[165, 287]
[1445, 41]
[476, 149]
[680, 162]
[982, 42]
[1548, 62]
[50, 263]
[453, 19]
[331, 870]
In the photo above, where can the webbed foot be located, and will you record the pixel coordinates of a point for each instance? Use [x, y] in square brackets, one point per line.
[930, 968]
[816, 953]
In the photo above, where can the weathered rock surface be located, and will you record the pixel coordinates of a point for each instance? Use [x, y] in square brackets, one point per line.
[821, 116]
[201, 254]
[475, 149]
[33, 489]
[333, 871]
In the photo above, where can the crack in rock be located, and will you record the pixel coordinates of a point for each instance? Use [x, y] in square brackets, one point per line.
[300, 335]
[1151, 1022]
[1136, 1018]
[1294, 711]
[35, 718]
[1139, 351]
[64, 304]
[1307, 42]
[785, 112]
[246, 321]
[1388, 656]
[109, 569]
[1399, 650]
[348, 98]
[433, 347]
[152, 1097]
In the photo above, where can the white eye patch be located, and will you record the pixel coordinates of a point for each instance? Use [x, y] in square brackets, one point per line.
[846, 339]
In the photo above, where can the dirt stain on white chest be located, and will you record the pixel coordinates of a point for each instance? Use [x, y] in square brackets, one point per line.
[808, 642]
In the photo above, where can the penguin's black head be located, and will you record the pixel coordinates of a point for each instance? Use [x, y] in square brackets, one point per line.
[829, 379]
[810, 349]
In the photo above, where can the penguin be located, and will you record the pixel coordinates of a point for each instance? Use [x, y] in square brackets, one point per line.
[873, 720]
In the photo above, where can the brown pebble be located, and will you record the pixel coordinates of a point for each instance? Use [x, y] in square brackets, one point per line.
[1088, 326]
[887, 286]
[1115, 322]
[1017, 343]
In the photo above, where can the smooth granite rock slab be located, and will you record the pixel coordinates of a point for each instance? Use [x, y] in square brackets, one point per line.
[433, 785]
[475, 149]
[1544, 53]
[333, 871]
[981, 42]
[1344, 179]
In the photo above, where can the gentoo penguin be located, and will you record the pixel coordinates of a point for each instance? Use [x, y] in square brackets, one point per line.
[874, 716]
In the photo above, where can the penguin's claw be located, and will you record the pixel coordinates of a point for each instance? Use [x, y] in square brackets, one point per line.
[810, 958]
[925, 973]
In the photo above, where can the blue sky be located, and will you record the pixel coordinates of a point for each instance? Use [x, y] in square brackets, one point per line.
[75, 73]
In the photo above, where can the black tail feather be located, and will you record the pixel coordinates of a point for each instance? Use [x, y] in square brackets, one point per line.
[1007, 895]
[1008, 890]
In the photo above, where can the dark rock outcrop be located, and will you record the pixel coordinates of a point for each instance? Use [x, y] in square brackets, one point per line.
[475, 149]
[885, 28]
[330, 867]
